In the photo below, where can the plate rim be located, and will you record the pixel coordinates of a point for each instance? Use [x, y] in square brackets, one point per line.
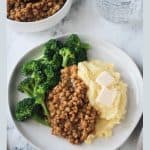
[61, 36]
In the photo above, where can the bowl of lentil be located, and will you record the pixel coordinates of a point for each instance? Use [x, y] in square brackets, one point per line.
[36, 15]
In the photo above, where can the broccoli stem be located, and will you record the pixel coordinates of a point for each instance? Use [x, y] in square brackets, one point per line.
[45, 109]
[64, 63]
[29, 92]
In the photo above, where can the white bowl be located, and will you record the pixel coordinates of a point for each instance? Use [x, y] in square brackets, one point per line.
[140, 141]
[42, 24]
[40, 136]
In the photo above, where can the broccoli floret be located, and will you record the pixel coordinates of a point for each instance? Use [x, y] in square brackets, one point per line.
[81, 54]
[51, 82]
[36, 91]
[72, 41]
[84, 46]
[51, 71]
[52, 75]
[27, 108]
[39, 116]
[34, 68]
[27, 86]
[51, 47]
[68, 57]
[29, 67]
[37, 70]
[24, 109]
[39, 76]
[40, 93]
[56, 62]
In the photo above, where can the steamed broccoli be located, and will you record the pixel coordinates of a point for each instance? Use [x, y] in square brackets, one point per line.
[24, 109]
[81, 54]
[68, 57]
[79, 48]
[50, 71]
[38, 115]
[27, 86]
[40, 98]
[72, 41]
[27, 108]
[56, 62]
[39, 76]
[29, 67]
[51, 75]
[45, 76]
[51, 47]
[36, 91]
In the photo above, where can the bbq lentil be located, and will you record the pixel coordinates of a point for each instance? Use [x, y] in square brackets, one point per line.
[72, 116]
[32, 10]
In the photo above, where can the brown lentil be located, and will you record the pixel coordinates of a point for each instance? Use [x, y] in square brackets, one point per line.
[72, 116]
[32, 10]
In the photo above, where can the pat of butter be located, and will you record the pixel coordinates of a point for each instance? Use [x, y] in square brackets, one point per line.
[106, 96]
[104, 79]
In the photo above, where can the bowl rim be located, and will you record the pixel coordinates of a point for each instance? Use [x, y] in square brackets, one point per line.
[44, 19]
[60, 37]
[140, 141]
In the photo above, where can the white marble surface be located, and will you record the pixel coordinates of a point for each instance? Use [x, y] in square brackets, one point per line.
[83, 18]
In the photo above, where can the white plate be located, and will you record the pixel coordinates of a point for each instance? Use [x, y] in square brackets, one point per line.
[40, 136]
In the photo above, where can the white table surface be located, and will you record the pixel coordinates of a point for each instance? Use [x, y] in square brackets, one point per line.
[83, 18]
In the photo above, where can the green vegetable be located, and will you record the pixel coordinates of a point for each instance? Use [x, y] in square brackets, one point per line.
[51, 47]
[40, 98]
[52, 75]
[27, 86]
[81, 54]
[72, 41]
[44, 77]
[79, 48]
[38, 115]
[24, 109]
[68, 57]
[44, 73]
[56, 62]
[34, 90]
[39, 76]
[29, 67]
[27, 109]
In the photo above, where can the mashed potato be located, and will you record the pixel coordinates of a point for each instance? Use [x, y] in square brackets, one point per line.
[111, 115]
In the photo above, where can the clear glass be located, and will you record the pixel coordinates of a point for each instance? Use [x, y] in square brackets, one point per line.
[120, 11]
